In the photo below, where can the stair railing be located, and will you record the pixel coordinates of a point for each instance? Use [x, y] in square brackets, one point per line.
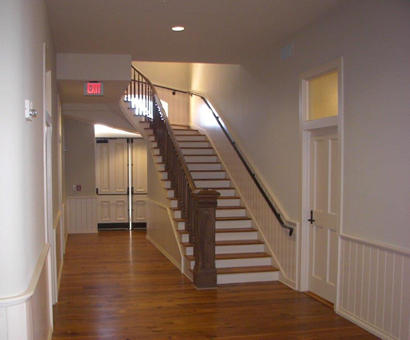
[283, 223]
[198, 206]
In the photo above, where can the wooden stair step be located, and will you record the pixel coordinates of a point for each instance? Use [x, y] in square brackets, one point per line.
[252, 269]
[190, 162]
[233, 218]
[196, 147]
[233, 256]
[229, 243]
[227, 230]
[209, 171]
[187, 134]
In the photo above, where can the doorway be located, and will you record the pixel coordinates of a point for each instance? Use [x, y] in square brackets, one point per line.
[321, 132]
[121, 179]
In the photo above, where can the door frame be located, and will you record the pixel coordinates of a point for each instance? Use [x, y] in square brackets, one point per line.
[305, 130]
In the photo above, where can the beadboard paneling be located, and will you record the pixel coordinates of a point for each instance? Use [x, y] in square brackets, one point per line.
[282, 246]
[82, 214]
[374, 287]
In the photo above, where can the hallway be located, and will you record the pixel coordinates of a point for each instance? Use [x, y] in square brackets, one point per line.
[119, 287]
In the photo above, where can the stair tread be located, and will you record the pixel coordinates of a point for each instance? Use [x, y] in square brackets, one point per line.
[233, 256]
[211, 179]
[238, 218]
[227, 230]
[187, 134]
[196, 147]
[229, 198]
[251, 269]
[208, 171]
[190, 162]
[229, 243]
[200, 154]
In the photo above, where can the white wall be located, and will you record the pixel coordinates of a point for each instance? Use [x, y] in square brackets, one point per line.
[22, 233]
[175, 75]
[259, 101]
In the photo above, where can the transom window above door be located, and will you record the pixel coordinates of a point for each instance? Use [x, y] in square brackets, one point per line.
[322, 96]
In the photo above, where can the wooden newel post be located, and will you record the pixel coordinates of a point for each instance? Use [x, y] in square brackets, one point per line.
[205, 203]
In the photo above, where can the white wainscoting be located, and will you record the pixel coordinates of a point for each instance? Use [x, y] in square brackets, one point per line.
[282, 247]
[374, 289]
[28, 315]
[82, 214]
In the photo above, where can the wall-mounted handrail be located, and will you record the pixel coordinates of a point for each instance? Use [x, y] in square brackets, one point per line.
[286, 225]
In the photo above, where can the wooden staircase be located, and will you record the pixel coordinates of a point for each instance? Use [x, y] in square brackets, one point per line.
[240, 255]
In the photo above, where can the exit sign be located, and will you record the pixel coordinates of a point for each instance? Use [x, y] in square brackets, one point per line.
[93, 88]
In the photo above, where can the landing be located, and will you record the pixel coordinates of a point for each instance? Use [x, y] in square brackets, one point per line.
[117, 286]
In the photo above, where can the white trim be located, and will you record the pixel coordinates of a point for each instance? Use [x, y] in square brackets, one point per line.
[28, 293]
[371, 328]
[378, 244]
[165, 253]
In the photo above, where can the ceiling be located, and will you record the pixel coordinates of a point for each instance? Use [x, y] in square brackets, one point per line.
[216, 30]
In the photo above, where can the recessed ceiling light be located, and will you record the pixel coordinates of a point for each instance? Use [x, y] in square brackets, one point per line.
[178, 28]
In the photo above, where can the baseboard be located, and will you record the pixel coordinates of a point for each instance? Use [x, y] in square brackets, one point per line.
[287, 282]
[363, 324]
[50, 333]
[165, 253]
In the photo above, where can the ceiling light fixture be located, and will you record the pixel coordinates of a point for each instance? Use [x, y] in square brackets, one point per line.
[178, 28]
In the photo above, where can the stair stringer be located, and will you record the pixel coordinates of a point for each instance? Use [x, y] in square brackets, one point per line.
[184, 264]
[141, 125]
[283, 276]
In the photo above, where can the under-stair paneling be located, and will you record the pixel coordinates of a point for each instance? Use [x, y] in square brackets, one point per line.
[282, 246]
[82, 214]
[139, 207]
[160, 229]
[374, 287]
[178, 105]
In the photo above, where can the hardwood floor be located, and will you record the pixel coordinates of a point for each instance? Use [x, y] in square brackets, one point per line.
[117, 286]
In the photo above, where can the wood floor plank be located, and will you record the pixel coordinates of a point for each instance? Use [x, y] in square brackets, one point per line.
[116, 285]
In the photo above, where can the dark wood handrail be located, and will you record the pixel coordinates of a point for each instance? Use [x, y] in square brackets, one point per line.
[171, 133]
[197, 206]
[269, 201]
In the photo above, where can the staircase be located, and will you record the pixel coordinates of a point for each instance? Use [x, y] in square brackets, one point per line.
[240, 254]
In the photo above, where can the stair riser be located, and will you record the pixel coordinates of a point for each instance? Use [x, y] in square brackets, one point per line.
[177, 213]
[231, 213]
[240, 236]
[190, 138]
[250, 248]
[234, 224]
[201, 158]
[229, 203]
[210, 167]
[208, 175]
[174, 204]
[198, 152]
[179, 132]
[248, 262]
[161, 167]
[164, 175]
[181, 226]
[158, 159]
[227, 192]
[154, 144]
[171, 193]
[247, 277]
[155, 152]
[167, 184]
[213, 184]
[194, 145]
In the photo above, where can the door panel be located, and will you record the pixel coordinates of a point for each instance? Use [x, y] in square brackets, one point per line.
[139, 166]
[324, 198]
[118, 166]
[103, 168]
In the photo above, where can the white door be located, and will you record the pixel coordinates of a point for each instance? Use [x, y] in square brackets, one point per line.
[139, 166]
[324, 203]
[112, 180]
